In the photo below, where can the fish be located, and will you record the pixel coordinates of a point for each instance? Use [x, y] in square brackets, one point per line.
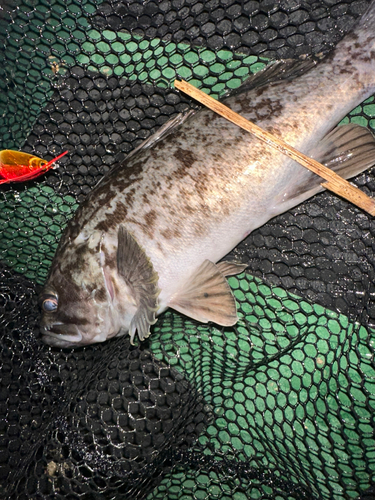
[16, 166]
[152, 234]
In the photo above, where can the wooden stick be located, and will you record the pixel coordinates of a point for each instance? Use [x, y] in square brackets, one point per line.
[335, 183]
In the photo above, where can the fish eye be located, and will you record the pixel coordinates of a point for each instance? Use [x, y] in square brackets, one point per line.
[50, 304]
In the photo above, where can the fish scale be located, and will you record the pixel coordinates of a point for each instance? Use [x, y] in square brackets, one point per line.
[149, 236]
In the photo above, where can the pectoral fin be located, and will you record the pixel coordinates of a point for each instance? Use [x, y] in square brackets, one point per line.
[228, 268]
[207, 297]
[138, 273]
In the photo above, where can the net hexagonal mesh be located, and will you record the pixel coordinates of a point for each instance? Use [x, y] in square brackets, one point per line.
[279, 406]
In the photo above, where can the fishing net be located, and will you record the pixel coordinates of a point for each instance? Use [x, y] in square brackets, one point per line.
[279, 406]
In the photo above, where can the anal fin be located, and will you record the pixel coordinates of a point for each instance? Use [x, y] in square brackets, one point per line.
[348, 150]
[207, 297]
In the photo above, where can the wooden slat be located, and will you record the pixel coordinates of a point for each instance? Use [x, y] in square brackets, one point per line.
[335, 183]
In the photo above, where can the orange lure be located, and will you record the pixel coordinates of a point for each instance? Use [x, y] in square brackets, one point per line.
[16, 166]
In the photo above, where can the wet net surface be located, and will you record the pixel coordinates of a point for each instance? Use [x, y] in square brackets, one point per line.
[280, 406]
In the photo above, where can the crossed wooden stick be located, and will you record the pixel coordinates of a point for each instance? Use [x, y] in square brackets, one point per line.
[334, 182]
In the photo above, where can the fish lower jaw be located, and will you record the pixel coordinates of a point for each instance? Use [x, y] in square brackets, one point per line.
[54, 339]
[102, 337]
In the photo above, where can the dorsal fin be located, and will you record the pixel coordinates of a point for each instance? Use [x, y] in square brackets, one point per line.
[207, 297]
[162, 132]
[286, 69]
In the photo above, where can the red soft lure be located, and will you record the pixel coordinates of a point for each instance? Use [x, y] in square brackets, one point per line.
[16, 166]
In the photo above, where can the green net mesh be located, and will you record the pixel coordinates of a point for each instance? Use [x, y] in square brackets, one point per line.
[279, 406]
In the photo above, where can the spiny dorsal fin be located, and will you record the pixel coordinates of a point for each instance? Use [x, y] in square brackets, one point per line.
[207, 297]
[286, 69]
[136, 269]
[228, 268]
[162, 132]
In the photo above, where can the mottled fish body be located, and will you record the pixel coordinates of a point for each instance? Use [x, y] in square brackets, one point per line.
[148, 237]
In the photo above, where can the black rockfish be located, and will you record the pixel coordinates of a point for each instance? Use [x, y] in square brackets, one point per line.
[149, 236]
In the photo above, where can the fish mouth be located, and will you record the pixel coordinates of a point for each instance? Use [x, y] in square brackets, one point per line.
[61, 335]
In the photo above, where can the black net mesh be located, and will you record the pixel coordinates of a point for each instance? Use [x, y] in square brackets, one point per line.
[281, 405]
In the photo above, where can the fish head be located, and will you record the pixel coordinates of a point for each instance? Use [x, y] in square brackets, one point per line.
[78, 302]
